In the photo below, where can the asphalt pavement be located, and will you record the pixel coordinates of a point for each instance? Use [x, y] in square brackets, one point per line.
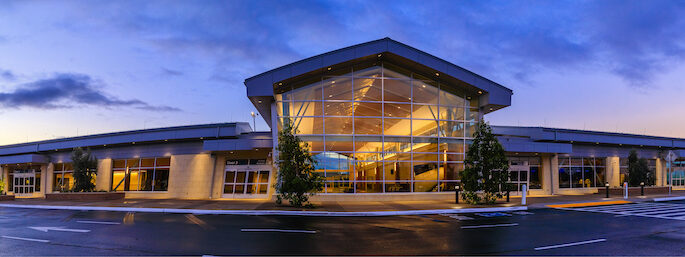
[26, 232]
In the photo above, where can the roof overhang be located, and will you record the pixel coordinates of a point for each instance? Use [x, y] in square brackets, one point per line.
[24, 158]
[260, 88]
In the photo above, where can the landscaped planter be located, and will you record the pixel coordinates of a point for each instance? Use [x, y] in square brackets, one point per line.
[85, 196]
[632, 191]
[6, 197]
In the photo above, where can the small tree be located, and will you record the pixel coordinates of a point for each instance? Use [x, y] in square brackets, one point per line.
[638, 170]
[85, 166]
[2, 187]
[296, 179]
[486, 171]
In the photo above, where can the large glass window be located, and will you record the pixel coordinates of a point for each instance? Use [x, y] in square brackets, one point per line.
[581, 172]
[63, 177]
[146, 174]
[379, 128]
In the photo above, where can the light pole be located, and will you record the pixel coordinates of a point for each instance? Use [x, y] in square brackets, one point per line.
[254, 120]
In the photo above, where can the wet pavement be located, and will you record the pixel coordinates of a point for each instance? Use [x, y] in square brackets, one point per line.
[533, 232]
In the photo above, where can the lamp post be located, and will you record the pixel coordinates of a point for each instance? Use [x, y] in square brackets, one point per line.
[254, 120]
[642, 188]
[456, 194]
[606, 185]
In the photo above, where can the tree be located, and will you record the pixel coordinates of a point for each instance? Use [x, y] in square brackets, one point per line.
[638, 170]
[485, 175]
[296, 179]
[85, 166]
[2, 187]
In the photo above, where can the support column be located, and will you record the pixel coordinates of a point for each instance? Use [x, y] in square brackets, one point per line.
[103, 179]
[613, 171]
[546, 173]
[49, 177]
[659, 174]
[554, 161]
[4, 177]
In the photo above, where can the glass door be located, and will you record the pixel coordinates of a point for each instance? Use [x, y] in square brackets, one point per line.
[24, 182]
[243, 181]
[519, 176]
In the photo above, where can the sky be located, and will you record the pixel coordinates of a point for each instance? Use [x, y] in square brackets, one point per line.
[71, 68]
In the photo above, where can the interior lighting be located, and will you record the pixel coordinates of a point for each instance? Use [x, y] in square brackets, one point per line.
[423, 86]
[329, 96]
[260, 101]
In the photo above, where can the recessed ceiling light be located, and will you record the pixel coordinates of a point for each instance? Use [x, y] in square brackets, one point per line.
[280, 84]
[329, 96]
[329, 68]
[437, 74]
[423, 86]
[480, 92]
[379, 55]
[260, 101]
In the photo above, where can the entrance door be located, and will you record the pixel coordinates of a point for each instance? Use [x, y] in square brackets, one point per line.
[519, 175]
[24, 182]
[246, 181]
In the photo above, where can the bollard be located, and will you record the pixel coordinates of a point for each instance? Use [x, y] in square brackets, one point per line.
[607, 188]
[642, 188]
[625, 190]
[456, 194]
[523, 197]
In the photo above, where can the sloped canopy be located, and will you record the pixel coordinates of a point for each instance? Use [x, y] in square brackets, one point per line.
[260, 88]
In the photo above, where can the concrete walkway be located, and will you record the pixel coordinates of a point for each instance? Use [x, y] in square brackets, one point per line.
[253, 206]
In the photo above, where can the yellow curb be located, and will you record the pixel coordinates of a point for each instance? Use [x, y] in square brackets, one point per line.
[571, 205]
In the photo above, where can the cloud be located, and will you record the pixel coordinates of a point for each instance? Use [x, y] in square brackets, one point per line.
[66, 91]
[170, 72]
[7, 75]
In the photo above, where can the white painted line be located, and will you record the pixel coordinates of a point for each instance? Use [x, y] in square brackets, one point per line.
[98, 222]
[491, 226]
[61, 229]
[673, 198]
[570, 244]
[268, 212]
[276, 230]
[27, 239]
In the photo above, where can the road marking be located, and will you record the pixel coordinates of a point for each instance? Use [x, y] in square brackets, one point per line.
[276, 230]
[493, 214]
[98, 222]
[62, 229]
[491, 226]
[27, 239]
[523, 213]
[458, 217]
[570, 244]
[570, 205]
[651, 210]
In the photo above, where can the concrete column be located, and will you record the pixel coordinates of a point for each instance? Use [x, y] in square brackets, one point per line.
[190, 176]
[554, 164]
[659, 174]
[103, 180]
[613, 171]
[4, 176]
[219, 167]
[546, 171]
[49, 179]
[43, 180]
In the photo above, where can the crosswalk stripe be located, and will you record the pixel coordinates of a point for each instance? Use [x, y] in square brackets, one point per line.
[652, 210]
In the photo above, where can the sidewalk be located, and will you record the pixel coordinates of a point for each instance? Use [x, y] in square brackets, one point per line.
[269, 206]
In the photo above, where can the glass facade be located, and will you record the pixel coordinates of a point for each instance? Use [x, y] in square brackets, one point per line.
[581, 172]
[377, 128]
[146, 174]
[63, 177]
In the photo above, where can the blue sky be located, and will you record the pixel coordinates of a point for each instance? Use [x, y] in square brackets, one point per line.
[84, 67]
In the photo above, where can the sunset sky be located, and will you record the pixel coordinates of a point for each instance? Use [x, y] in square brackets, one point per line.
[72, 68]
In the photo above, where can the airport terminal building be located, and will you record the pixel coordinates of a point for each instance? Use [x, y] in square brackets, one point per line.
[382, 119]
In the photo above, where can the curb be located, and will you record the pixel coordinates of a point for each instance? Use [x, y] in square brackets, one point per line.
[268, 212]
[672, 198]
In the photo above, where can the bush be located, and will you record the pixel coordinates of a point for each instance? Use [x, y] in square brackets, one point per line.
[85, 166]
